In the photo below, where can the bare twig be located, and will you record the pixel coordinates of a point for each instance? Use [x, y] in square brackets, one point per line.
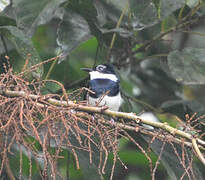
[25, 112]
[108, 112]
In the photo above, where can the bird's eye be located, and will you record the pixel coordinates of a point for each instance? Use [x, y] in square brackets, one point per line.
[100, 67]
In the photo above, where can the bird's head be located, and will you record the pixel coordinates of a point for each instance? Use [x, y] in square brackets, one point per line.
[102, 71]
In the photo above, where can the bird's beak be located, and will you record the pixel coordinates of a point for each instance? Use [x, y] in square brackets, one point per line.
[86, 69]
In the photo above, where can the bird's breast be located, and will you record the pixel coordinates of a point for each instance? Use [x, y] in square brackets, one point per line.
[103, 86]
[112, 102]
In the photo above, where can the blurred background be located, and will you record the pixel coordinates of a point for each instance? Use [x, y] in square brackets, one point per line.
[156, 46]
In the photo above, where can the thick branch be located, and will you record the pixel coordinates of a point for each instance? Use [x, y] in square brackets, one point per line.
[197, 151]
[108, 112]
[193, 141]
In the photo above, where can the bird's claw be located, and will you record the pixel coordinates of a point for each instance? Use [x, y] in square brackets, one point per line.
[103, 108]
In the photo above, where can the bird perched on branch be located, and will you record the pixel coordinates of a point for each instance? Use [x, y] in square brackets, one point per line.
[105, 85]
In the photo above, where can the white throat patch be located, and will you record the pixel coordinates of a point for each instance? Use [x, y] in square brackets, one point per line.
[98, 75]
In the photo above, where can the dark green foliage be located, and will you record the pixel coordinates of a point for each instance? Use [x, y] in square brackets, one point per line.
[155, 50]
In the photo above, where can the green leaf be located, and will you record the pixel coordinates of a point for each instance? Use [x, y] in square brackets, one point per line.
[166, 7]
[24, 46]
[144, 13]
[110, 11]
[188, 66]
[135, 158]
[90, 170]
[108, 15]
[72, 31]
[117, 4]
[171, 158]
[192, 3]
[29, 14]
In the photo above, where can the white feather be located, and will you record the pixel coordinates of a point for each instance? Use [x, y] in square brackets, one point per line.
[113, 102]
[98, 75]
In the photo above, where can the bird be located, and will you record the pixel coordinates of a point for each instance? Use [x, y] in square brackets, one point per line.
[105, 87]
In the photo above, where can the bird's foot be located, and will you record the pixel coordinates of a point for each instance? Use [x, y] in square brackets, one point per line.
[103, 108]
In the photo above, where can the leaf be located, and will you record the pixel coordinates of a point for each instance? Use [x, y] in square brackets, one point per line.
[24, 46]
[144, 14]
[110, 11]
[171, 159]
[90, 170]
[33, 13]
[81, 20]
[166, 7]
[182, 107]
[192, 3]
[118, 4]
[188, 66]
[108, 15]
[72, 31]
[123, 32]
[4, 4]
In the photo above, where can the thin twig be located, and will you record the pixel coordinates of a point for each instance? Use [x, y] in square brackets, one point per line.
[100, 110]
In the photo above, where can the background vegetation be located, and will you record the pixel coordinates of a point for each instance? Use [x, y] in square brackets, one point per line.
[158, 49]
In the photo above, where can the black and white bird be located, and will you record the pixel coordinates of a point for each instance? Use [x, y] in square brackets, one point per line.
[105, 84]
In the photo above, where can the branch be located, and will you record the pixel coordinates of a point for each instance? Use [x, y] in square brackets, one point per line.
[114, 114]
[182, 24]
[197, 151]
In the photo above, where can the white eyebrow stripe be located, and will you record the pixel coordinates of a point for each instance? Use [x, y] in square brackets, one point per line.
[98, 75]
